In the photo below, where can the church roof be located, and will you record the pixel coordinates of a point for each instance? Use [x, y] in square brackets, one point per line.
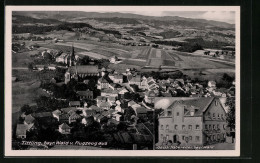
[84, 69]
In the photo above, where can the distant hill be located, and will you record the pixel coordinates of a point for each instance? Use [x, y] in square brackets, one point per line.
[71, 15]
[18, 19]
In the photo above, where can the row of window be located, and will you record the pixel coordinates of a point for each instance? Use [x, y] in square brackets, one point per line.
[197, 127]
[183, 127]
[214, 115]
[214, 127]
[169, 113]
[184, 138]
[216, 137]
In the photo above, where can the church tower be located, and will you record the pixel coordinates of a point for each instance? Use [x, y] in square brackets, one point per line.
[72, 56]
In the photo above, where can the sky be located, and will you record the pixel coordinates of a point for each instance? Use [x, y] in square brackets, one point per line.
[223, 16]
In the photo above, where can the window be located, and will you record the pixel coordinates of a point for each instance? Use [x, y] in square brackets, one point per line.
[224, 126]
[213, 115]
[167, 137]
[169, 113]
[190, 127]
[213, 127]
[161, 127]
[183, 127]
[183, 137]
[197, 138]
[218, 116]
[167, 127]
[176, 127]
[162, 136]
[216, 102]
[164, 139]
[190, 137]
[214, 137]
[209, 127]
[217, 126]
[218, 137]
[206, 127]
[222, 116]
[197, 127]
[177, 113]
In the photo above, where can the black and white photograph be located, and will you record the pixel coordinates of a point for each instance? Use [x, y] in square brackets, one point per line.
[122, 81]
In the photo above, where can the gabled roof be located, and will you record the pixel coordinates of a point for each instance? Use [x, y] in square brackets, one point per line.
[74, 103]
[102, 80]
[64, 116]
[132, 78]
[75, 116]
[85, 93]
[21, 129]
[64, 126]
[200, 104]
[96, 108]
[104, 104]
[56, 112]
[68, 109]
[29, 119]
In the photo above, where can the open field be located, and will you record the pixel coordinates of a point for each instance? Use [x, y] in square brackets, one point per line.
[209, 74]
[25, 92]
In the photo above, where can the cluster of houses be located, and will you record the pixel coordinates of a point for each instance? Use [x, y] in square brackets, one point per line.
[192, 116]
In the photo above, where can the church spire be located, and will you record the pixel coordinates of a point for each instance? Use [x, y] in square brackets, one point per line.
[72, 55]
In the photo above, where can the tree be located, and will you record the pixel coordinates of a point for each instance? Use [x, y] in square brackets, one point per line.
[231, 113]
[26, 109]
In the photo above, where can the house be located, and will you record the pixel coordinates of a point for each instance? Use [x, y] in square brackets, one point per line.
[74, 103]
[100, 99]
[29, 119]
[21, 130]
[113, 59]
[212, 84]
[47, 116]
[14, 79]
[193, 121]
[102, 83]
[64, 118]
[111, 100]
[104, 105]
[40, 67]
[56, 114]
[113, 86]
[118, 117]
[118, 78]
[69, 109]
[87, 120]
[109, 92]
[97, 109]
[64, 128]
[74, 117]
[52, 67]
[181, 81]
[150, 95]
[88, 112]
[134, 79]
[119, 109]
[85, 94]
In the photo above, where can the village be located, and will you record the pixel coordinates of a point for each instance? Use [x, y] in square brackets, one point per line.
[106, 101]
